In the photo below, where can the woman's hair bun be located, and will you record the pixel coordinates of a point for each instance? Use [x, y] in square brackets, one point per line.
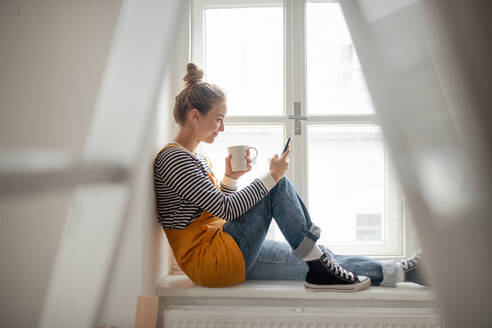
[193, 74]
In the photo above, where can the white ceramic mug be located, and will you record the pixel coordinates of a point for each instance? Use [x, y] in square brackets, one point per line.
[238, 157]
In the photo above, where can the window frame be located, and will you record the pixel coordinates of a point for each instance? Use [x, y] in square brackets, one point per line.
[402, 240]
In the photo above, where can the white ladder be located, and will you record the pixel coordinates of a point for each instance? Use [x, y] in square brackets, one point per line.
[104, 175]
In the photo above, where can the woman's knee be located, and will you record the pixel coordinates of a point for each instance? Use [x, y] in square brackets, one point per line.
[283, 184]
[285, 181]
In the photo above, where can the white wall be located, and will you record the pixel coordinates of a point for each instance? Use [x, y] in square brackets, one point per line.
[52, 57]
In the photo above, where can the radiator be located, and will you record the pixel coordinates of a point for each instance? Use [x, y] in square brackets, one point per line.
[287, 317]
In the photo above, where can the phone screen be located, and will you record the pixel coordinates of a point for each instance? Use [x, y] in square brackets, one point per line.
[286, 146]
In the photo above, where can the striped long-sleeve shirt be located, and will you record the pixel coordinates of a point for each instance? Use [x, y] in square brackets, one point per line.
[183, 190]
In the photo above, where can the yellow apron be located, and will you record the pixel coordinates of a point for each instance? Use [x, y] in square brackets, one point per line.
[208, 255]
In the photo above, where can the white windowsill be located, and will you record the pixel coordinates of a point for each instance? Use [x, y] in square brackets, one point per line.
[180, 286]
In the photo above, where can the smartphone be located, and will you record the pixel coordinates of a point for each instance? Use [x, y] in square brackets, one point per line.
[286, 145]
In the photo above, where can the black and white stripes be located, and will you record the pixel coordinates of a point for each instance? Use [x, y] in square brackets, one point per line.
[184, 190]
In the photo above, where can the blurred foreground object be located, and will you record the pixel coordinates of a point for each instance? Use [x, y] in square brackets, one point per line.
[428, 68]
[105, 175]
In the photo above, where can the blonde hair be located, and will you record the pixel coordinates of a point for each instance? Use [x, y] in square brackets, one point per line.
[196, 94]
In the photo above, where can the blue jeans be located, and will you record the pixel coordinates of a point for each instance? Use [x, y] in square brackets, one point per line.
[274, 260]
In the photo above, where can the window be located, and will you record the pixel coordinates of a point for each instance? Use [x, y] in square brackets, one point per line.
[290, 69]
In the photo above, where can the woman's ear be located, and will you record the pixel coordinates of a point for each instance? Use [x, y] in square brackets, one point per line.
[193, 115]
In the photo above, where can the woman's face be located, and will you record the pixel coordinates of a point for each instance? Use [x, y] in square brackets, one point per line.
[212, 123]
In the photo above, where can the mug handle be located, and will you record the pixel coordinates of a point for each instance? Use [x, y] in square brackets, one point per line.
[256, 154]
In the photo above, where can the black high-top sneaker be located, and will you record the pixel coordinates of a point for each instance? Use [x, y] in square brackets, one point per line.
[412, 269]
[325, 274]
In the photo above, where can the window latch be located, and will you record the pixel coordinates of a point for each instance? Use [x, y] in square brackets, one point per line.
[297, 117]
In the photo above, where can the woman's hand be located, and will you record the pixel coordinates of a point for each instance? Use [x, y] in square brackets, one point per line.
[238, 174]
[279, 166]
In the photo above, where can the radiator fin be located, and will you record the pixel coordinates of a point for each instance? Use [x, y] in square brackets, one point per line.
[267, 318]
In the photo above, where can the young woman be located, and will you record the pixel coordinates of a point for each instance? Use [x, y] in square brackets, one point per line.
[217, 233]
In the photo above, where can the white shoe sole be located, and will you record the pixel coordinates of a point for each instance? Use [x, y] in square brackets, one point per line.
[365, 283]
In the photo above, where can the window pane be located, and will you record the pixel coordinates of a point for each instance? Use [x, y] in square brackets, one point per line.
[347, 182]
[266, 138]
[368, 226]
[335, 83]
[244, 55]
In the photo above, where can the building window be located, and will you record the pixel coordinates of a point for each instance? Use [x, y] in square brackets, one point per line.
[368, 227]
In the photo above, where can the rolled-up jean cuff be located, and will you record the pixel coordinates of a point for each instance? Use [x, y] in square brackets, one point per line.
[308, 242]
[389, 273]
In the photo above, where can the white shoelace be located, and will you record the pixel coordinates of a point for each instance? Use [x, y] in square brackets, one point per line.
[413, 261]
[334, 266]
